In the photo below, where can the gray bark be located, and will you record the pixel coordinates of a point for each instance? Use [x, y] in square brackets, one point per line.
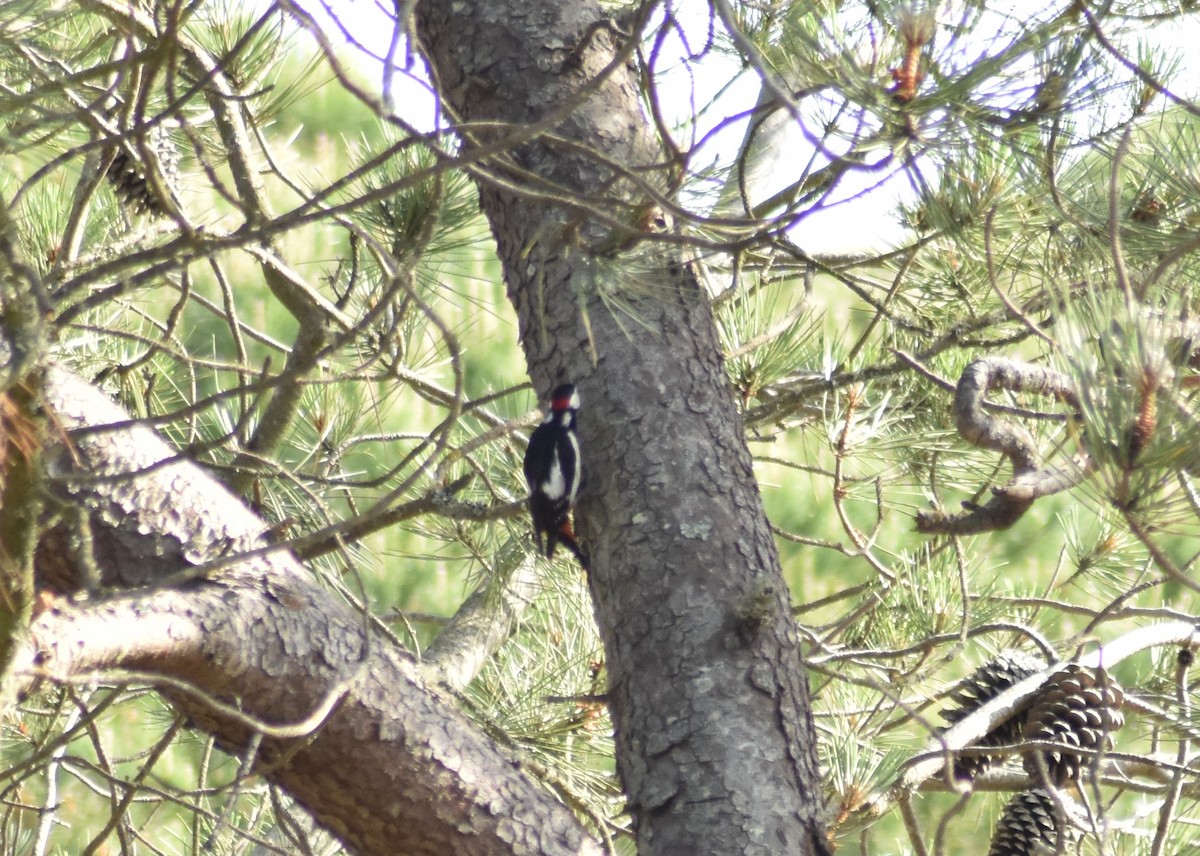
[707, 687]
[350, 730]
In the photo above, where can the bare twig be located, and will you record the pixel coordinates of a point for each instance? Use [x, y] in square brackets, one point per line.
[1183, 662]
[912, 826]
[49, 812]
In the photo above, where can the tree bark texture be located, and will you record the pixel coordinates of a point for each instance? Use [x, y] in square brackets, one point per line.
[715, 741]
[197, 595]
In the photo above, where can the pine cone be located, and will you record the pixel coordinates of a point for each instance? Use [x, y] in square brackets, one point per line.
[1076, 707]
[128, 176]
[1028, 825]
[984, 684]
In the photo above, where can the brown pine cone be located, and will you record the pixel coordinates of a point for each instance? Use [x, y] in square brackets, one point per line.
[984, 684]
[127, 174]
[1029, 825]
[1076, 708]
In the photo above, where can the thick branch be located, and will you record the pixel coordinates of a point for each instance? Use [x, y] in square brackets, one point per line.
[393, 768]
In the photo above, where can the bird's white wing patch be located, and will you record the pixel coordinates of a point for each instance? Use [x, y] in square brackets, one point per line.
[554, 486]
[575, 475]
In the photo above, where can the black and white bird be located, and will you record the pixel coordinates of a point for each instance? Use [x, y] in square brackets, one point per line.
[552, 471]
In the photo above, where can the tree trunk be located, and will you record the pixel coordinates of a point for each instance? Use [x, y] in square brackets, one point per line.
[715, 741]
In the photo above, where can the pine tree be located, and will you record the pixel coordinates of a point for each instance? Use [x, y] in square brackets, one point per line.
[887, 532]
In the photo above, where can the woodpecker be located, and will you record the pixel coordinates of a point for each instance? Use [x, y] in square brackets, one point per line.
[552, 471]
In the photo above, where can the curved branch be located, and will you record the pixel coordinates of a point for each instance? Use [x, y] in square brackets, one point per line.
[1030, 479]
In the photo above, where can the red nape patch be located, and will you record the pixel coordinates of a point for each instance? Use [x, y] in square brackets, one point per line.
[563, 403]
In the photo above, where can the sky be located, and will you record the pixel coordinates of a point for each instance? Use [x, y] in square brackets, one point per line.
[865, 220]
